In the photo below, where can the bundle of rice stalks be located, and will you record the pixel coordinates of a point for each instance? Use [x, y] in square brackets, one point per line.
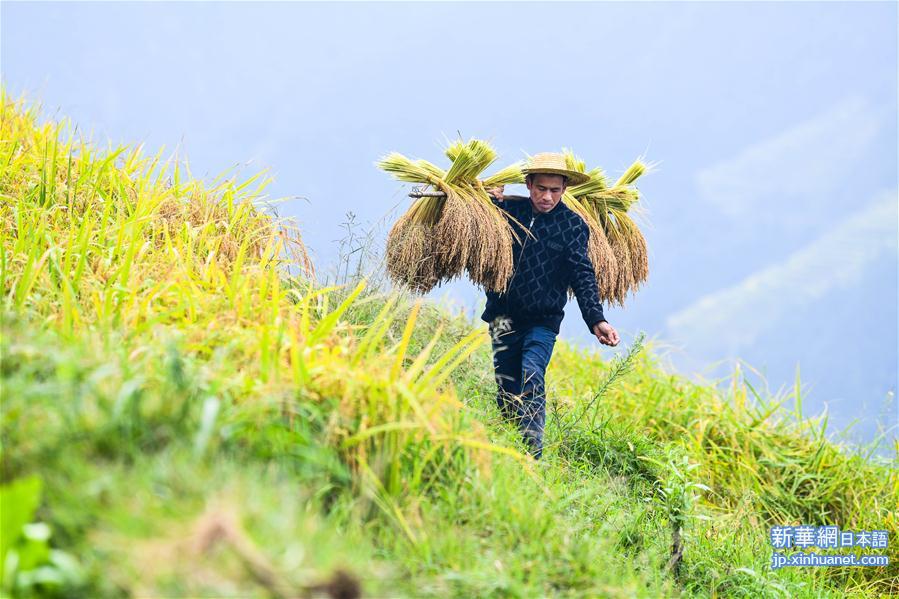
[599, 250]
[440, 237]
[617, 247]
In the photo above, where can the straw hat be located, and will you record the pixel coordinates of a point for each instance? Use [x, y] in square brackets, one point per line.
[550, 163]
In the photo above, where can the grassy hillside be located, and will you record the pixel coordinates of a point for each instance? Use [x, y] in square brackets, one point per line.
[186, 412]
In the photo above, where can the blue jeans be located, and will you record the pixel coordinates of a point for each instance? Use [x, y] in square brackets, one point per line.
[520, 358]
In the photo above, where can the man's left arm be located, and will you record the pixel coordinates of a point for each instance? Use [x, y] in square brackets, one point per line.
[583, 280]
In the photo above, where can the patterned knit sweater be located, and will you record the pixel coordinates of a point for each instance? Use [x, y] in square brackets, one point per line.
[546, 263]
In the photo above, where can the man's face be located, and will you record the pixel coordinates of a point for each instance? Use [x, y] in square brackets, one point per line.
[546, 191]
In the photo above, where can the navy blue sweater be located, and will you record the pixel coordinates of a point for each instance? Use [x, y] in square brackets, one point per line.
[545, 266]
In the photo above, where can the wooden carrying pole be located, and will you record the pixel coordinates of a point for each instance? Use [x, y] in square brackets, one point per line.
[440, 194]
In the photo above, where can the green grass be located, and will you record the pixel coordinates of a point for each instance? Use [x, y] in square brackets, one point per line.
[203, 423]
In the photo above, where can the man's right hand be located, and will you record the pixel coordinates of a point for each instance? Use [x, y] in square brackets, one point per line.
[497, 192]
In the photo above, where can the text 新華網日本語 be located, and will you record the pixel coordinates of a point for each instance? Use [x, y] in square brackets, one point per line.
[826, 537]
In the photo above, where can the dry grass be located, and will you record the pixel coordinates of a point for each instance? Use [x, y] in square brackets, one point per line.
[441, 238]
[617, 248]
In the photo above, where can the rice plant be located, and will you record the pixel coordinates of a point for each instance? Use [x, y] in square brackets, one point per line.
[457, 230]
[205, 421]
[461, 232]
[617, 247]
[122, 244]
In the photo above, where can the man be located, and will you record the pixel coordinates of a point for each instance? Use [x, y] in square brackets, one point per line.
[524, 320]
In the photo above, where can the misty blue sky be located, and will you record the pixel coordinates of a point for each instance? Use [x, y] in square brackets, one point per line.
[772, 215]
